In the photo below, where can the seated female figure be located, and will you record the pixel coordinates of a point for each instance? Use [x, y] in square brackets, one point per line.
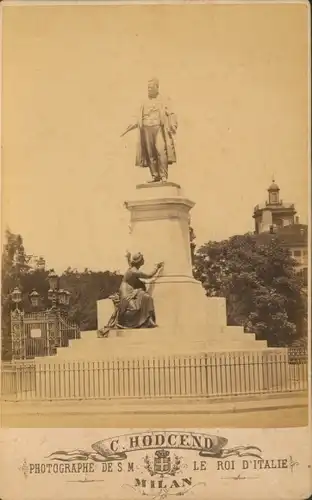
[136, 307]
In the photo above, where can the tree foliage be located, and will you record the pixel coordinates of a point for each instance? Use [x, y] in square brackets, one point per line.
[86, 288]
[258, 278]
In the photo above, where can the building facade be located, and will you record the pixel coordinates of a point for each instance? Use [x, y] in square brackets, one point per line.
[278, 217]
[273, 212]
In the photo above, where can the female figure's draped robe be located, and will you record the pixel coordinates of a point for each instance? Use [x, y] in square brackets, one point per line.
[134, 306]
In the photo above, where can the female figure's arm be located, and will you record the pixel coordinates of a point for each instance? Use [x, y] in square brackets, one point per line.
[142, 275]
[128, 257]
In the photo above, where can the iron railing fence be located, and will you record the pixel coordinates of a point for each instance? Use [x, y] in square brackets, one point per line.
[210, 375]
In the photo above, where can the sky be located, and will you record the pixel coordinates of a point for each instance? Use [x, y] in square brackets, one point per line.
[74, 76]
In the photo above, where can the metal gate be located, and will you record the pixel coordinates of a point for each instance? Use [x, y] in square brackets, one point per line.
[40, 333]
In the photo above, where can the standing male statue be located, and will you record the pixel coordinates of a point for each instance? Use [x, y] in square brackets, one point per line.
[156, 126]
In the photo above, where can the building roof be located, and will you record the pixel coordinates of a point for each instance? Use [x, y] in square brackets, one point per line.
[294, 234]
[275, 207]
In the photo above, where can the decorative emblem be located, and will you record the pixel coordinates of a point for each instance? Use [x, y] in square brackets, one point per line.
[162, 464]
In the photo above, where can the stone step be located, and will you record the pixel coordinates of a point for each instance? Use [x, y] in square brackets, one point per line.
[87, 334]
[222, 328]
[107, 345]
[102, 350]
[117, 344]
[159, 341]
[141, 332]
[64, 355]
[160, 335]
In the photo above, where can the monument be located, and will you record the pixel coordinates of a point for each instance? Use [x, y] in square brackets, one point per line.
[187, 321]
[161, 322]
[159, 221]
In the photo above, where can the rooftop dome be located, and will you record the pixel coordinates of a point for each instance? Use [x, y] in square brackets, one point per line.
[274, 186]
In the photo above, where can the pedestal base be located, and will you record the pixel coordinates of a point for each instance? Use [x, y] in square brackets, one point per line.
[158, 342]
[180, 305]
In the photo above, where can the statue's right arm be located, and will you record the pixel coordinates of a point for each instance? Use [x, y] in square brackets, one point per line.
[147, 276]
[128, 257]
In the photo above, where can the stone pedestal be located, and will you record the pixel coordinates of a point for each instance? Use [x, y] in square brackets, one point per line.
[159, 221]
[186, 318]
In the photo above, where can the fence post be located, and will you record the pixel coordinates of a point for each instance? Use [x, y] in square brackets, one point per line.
[17, 334]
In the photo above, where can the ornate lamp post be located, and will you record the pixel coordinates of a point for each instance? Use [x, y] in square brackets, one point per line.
[64, 296]
[60, 300]
[56, 295]
[18, 342]
[34, 299]
[16, 296]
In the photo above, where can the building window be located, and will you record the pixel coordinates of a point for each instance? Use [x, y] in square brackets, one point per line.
[279, 222]
[273, 197]
[303, 273]
[297, 253]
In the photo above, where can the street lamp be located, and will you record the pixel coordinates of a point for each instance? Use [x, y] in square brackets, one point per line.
[56, 295]
[64, 296]
[53, 280]
[34, 298]
[16, 296]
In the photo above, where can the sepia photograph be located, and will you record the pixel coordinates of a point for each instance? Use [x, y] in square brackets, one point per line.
[155, 235]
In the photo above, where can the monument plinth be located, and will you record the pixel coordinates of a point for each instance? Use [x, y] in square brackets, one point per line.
[159, 221]
[187, 320]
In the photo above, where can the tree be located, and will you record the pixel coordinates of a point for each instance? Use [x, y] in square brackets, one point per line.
[86, 288]
[258, 278]
[14, 266]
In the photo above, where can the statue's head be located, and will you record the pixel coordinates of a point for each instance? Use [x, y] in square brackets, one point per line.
[153, 87]
[137, 260]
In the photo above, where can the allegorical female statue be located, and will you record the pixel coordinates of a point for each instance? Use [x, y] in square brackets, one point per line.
[134, 305]
[156, 124]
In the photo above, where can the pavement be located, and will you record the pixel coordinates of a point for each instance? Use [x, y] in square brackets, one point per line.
[262, 411]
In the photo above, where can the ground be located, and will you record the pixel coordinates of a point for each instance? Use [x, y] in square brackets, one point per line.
[91, 416]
